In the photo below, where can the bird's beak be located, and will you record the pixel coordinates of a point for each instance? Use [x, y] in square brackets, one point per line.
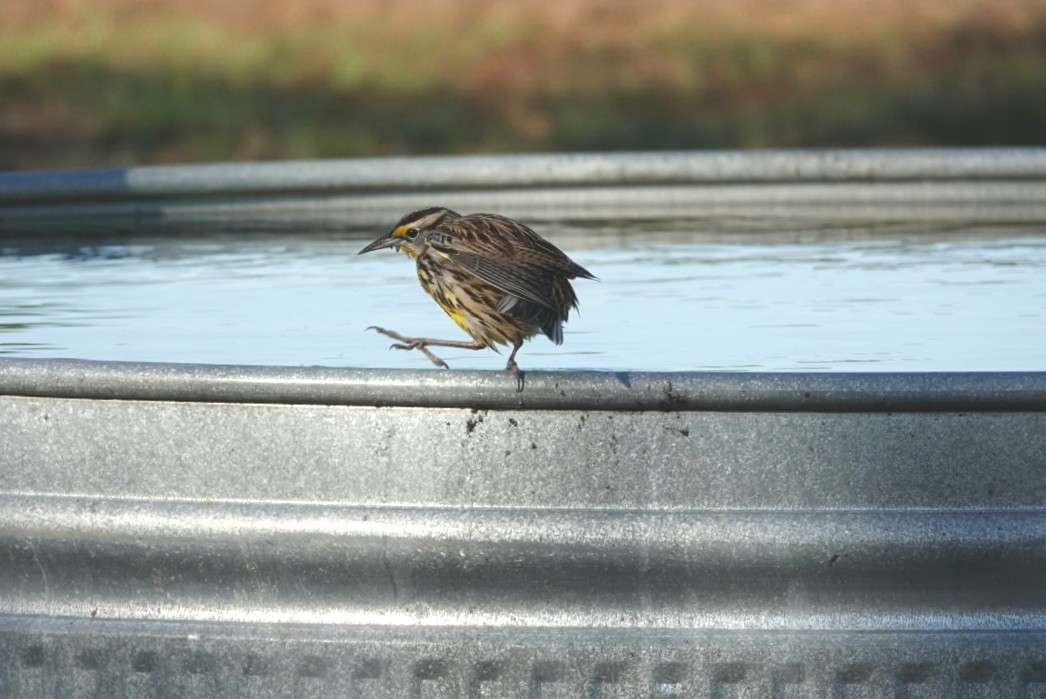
[385, 241]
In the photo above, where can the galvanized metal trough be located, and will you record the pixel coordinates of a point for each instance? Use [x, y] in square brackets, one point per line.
[188, 530]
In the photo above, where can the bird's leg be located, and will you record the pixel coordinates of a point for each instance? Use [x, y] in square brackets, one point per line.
[421, 343]
[512, 368]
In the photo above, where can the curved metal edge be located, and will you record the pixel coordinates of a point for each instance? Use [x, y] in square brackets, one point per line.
[485, 171]
[983, 202]
[583, 390]
[405, 561]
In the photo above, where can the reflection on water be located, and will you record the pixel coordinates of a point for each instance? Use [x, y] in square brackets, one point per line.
[670, 298]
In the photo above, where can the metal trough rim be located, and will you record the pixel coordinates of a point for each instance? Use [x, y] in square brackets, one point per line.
[528, 170]
[581, 390]
[984, 186]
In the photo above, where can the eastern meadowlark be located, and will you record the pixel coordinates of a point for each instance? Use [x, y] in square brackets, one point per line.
[497, 279]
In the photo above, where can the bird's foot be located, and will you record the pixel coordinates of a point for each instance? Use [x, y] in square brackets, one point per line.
[513, 369]
[410, 343]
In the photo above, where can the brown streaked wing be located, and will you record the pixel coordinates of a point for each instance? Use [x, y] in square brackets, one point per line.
[498, 238]
[525, 281]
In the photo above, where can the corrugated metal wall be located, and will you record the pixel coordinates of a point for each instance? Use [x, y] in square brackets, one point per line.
[178, 530]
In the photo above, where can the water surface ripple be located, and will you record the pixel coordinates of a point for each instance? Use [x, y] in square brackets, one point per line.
[670, 298]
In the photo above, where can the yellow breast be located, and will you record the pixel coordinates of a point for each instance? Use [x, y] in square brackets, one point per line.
[447, 300]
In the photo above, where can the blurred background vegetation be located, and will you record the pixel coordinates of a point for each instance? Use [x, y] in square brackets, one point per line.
[120, 82]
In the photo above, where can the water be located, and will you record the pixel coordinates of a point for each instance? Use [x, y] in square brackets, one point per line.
[669, 298]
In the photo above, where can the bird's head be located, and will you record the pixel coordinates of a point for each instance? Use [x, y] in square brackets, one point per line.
[412, 231]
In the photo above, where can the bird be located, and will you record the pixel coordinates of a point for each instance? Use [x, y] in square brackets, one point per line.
[497, 279]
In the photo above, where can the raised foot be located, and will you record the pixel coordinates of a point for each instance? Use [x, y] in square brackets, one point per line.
[410, 343]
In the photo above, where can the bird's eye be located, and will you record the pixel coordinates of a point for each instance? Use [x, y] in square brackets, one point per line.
[412, 233]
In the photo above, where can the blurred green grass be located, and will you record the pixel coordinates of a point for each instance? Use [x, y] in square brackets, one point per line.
[118, 82]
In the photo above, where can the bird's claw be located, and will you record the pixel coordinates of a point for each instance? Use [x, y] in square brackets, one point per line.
[416, 344]
[513, 369]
